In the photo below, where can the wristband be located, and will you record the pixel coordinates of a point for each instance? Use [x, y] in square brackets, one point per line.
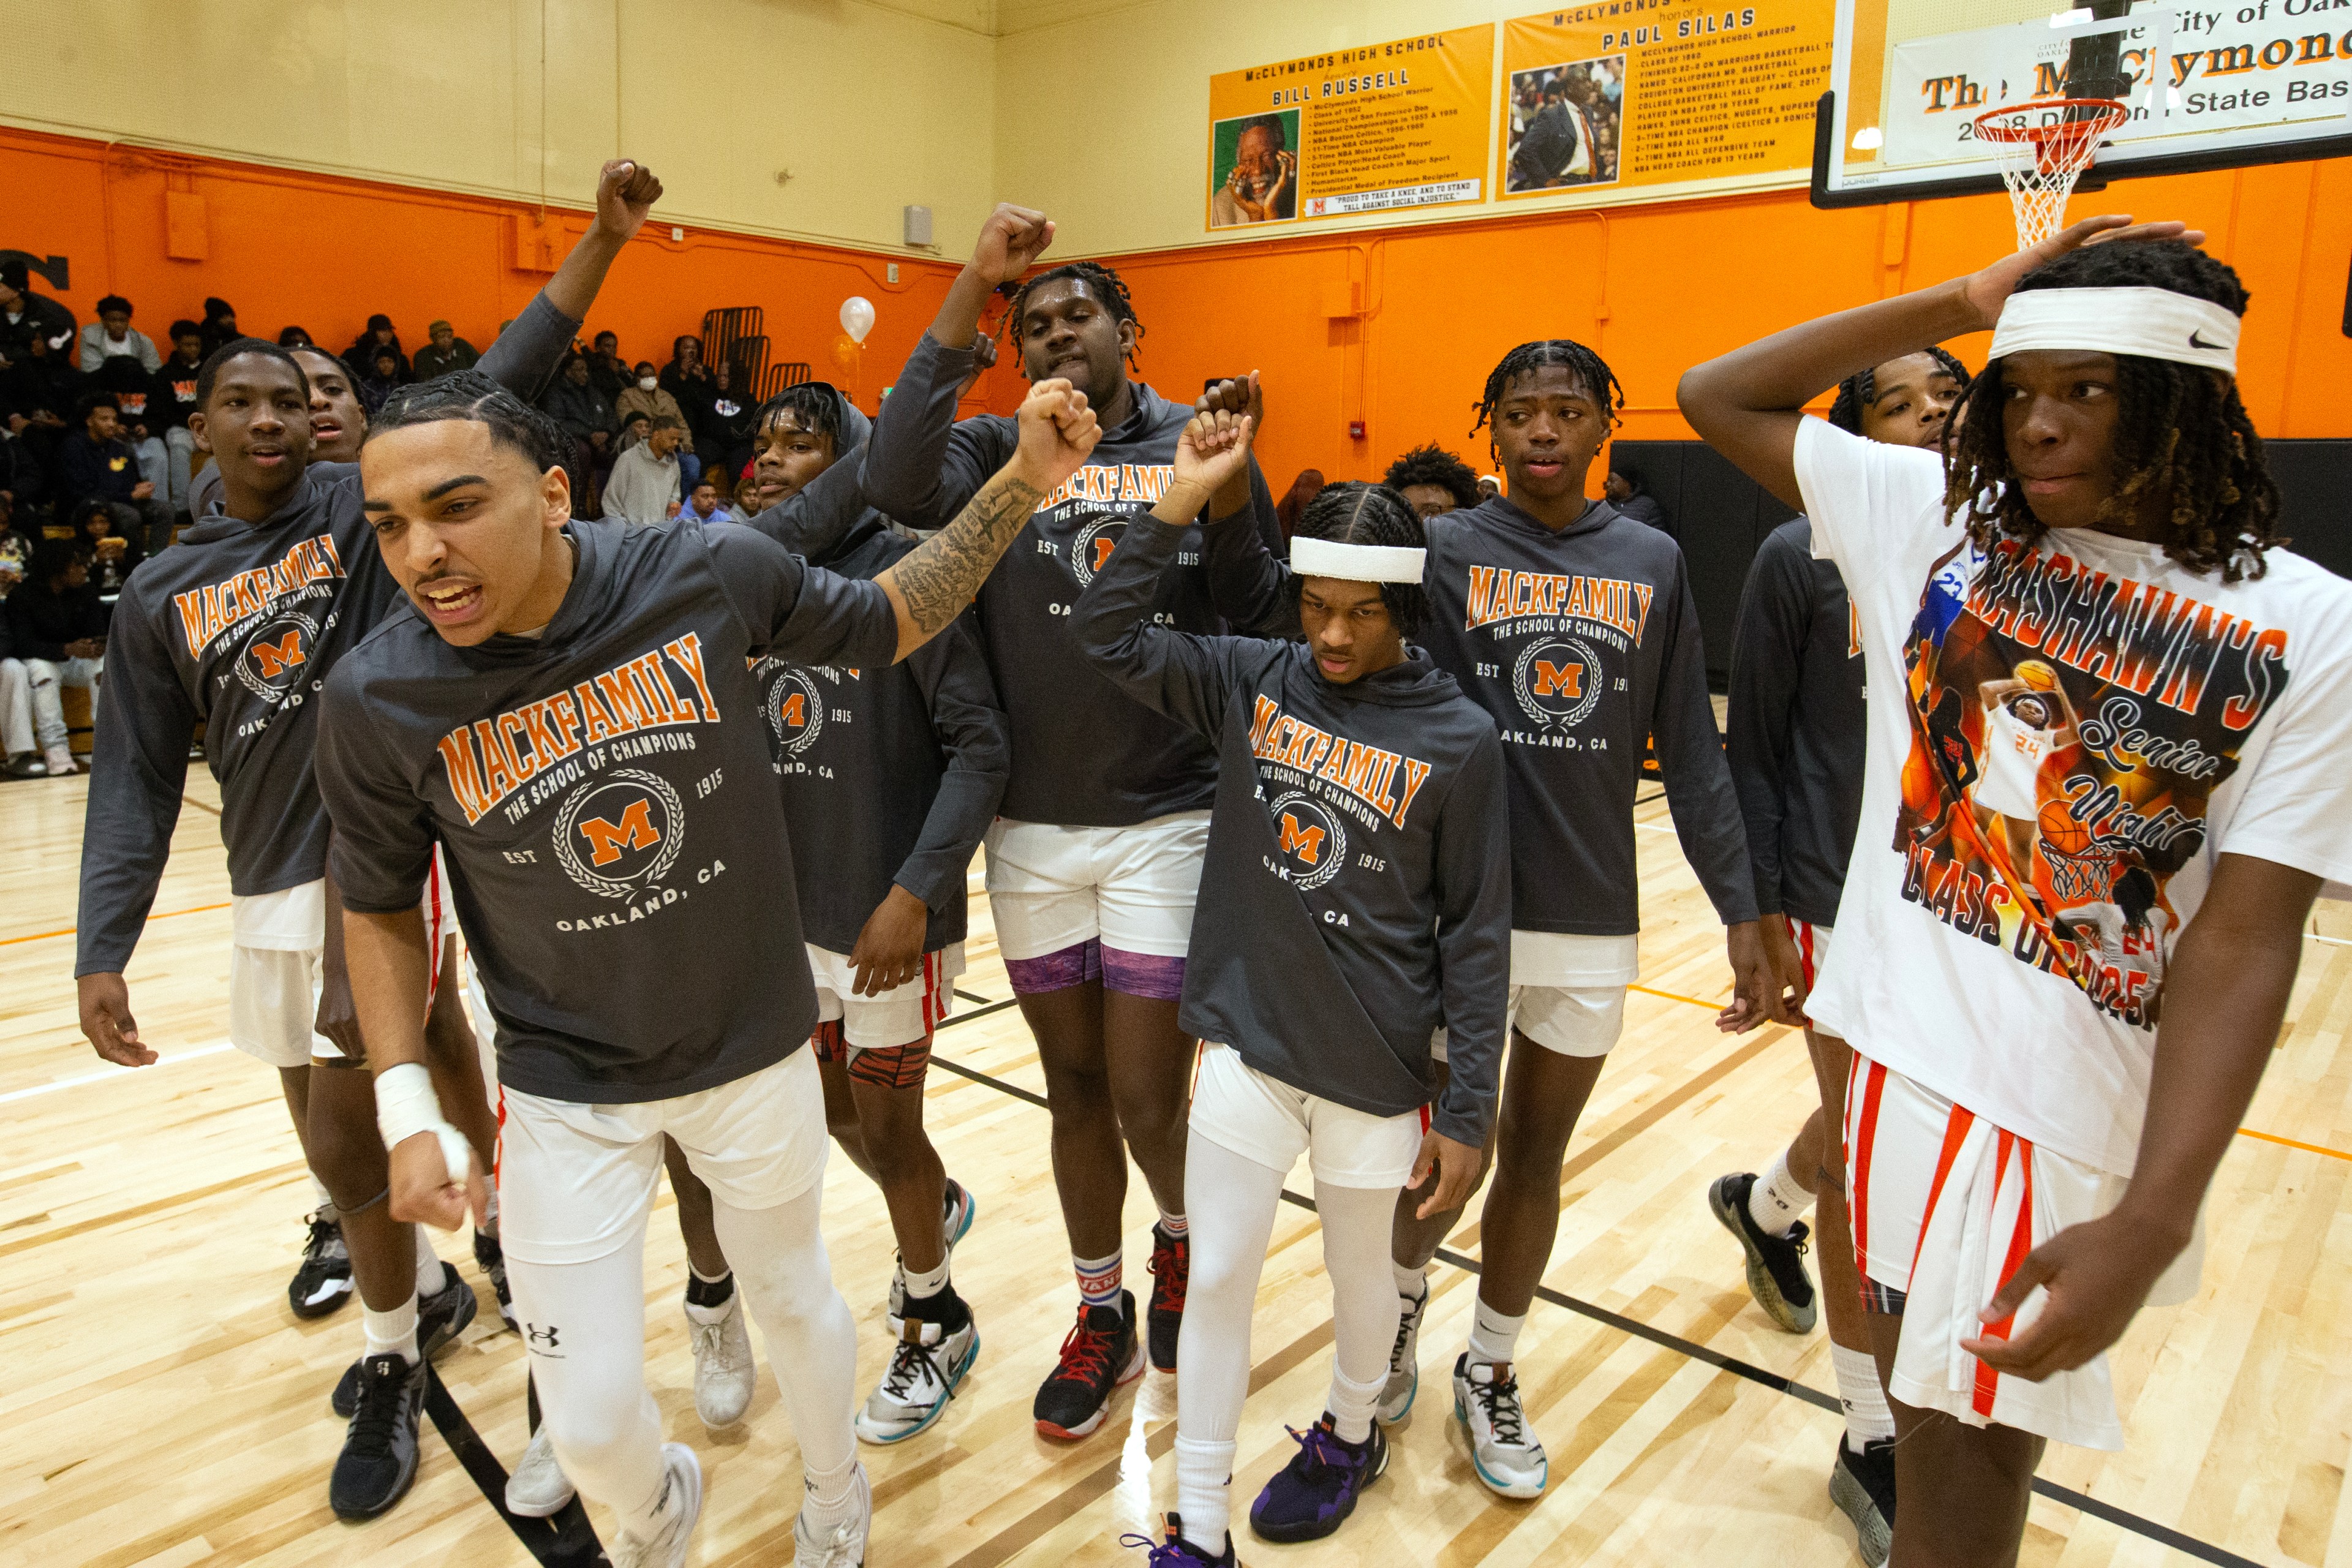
[405, 1105]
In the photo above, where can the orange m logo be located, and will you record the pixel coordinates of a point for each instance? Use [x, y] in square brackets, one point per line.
[635, 831]
[1558, 680]
[796, 711]
[279, 656]
[1306, 842]
[1103, 547]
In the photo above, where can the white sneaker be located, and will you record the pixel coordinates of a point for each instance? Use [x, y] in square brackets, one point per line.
[60, 762]
[1404, 1358]
[843, 1545]
[724, 1373]
[1505, 1454]
[539, 1488]
[960, 1206]
[680, 1507]
[925, 1368]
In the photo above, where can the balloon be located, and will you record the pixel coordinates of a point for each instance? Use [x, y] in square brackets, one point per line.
[857, 317]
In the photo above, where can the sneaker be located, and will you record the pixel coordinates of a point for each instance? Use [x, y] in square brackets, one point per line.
[724, 1373]
[60, 762]
[1404, 1357]
[1098, 1355]
[843, 1546]
[539, 1488]
[440, 1318]
[492, 1258]
[322, 1280]
[1863, 1486]
[960, 1206]
[28, 765]
[1173, 1551]
[379, 1459]
[1505, 1454]
[681, 1505]
[1314, 1494]
[929, 1360]
[1171, 1268]
[1776, 1264]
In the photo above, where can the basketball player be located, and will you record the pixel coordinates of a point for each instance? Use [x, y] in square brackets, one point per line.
[2027, 1150]
[2026, 716]
[1574, 629]
[235, 629]
[338, 422]
[1359, 869]
[1794, 740]
[1093, 864]
[557, 712]
[1433, 482]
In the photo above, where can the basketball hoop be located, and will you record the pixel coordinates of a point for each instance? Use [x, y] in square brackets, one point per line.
[2039, 163]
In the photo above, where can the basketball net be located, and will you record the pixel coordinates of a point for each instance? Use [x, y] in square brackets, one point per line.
[2039, 163]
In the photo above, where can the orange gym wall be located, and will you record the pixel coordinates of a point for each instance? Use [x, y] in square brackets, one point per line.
[324, 252]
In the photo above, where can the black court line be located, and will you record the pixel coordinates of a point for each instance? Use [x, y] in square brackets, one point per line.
[2165, 1535]
[566, 1541]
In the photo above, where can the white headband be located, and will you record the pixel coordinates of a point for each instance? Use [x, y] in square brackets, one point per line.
[1355, 563]
[2154, 323]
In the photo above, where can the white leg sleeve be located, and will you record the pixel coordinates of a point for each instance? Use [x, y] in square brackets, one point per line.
[584, 1328]
[780, 1261]
[48, 703]
[16, 708]
[1229, 1202]
[1364, 1307]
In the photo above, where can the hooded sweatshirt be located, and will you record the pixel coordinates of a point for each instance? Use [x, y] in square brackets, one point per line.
[603, 791]
[1358, 867]
[1083, 752]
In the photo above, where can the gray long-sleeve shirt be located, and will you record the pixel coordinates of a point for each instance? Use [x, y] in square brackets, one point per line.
[1797, 729]
[1356, 891]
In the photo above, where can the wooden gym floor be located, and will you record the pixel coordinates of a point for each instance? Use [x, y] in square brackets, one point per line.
[160, 1406]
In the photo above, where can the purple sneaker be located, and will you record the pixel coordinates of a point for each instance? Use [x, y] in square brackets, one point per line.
[1316, 1492]
[1175, 1551]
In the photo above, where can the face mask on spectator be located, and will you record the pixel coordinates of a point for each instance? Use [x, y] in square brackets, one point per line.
[649, 382]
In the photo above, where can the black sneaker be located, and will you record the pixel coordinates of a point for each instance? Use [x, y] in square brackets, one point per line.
[1314, 1494]
[322, 1282]
[1172, 1551]
[1863, 1486]
[379, 1459]
[1776, 1264]
[1098, 1355]
[440, 1318]
[1171, 1270]
[492, 1260]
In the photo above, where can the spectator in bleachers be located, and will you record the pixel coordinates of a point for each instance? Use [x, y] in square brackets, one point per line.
[378, 337]
[95, 462]
[649, 397]
[25, 487]
[643, 486]
[295, 338]
[112, 335]
[39, 383]
[702, 504]
[1624, 490]
[1433, 482]
[108, 553]
[173, 399]
[724, 437]
[607, 368]
[133, 384]
[379, 376]
[446, 352]
[23, 760]
[219, 326]
[58, 626]
[573, 401]
[686, 375]
[26, 314]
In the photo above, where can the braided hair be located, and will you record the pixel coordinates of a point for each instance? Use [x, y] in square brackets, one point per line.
[2182, 431]
[1433, 464]
[1591, 372]
[1110, 292]
[471, 396]
[815, 404]
[1354, 512]
[1860, 389]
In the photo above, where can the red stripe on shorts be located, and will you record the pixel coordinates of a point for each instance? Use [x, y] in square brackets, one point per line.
[1804, 930]
[2021, 1242]
[1956, 1132]
[1865, 1134]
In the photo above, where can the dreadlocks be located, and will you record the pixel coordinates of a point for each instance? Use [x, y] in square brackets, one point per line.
[1354, 512]
[815, 404]
[1591, 372]
[2182, 431]
[1110, 292]
[1433, 464]
[471, 396]
[1860, 389]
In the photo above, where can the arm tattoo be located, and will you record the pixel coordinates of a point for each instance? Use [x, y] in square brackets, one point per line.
[941, 576]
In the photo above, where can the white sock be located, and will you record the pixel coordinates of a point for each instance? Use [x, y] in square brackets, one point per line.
[1494, 1336]
[1175, 1224]
[392, 1332]
[1205, 1492]
[1777, 1202]
[923, 1283]
[1867, 1418]
[1410, 1283]
[431, 1275]
[321, 1200]
[1352, 1405]
[827, 1494]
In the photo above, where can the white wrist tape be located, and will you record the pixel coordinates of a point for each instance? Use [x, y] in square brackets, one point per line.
[405, 1105]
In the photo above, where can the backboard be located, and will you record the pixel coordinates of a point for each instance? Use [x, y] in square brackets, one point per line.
[2208, 84]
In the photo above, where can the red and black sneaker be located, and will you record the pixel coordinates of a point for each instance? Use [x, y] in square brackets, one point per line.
[1171, 1268]
[1100, 1353]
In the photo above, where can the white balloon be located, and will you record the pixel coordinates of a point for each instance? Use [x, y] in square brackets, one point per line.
[857, 317]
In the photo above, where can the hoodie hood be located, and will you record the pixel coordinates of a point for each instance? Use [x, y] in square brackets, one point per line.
[1415, 683]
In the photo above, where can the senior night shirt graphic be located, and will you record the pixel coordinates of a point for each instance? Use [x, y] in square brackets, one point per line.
[2068, 729]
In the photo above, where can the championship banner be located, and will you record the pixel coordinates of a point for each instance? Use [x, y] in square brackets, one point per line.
[1364, 128]
[1655, 93]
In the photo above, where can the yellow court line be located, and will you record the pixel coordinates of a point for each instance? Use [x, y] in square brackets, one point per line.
[45, 935]
[2243, 1132]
